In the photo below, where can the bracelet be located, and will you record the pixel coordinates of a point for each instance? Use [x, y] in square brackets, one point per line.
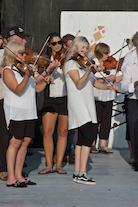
[48, 73]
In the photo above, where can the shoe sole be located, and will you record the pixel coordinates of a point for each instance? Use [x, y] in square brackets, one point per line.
[74, 179]
[86, 183]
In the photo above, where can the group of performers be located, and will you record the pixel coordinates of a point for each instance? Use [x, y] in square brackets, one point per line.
[78, 94]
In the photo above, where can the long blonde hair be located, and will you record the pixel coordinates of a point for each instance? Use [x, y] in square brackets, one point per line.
[76, 46]
[12, 49]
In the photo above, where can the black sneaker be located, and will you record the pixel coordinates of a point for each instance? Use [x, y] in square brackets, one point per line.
[75, 177]
[136, 168]
[84, 179]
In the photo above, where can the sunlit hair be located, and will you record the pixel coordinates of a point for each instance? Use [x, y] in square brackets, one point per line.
[76, 46]
[100, 49]
[134, 41]
[12, 49]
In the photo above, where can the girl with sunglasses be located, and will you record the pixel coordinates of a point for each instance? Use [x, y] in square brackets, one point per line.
[20, 110]
[54, 106]
[103, 99]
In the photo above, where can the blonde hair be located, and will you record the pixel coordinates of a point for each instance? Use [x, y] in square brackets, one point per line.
[100, 49]
[76, 46]
[12, 49]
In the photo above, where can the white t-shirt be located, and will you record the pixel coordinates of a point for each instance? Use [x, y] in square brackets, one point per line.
[130, 57]
[130, 75]
[104, 95]
[58, 89]
[81, 104]
[23, 107]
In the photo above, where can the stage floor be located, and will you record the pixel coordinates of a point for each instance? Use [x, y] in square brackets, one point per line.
[117, 184]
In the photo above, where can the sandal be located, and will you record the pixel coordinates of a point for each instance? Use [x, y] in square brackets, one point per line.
[131, 161]
[93, 150]
[105, 150]
[50, 170]
[3, 175]
[60, 170]
[17, 184]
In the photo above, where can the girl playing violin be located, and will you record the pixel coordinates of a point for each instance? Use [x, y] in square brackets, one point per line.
[81, 106]
[103, 99]
[54, 106]
[20, 111]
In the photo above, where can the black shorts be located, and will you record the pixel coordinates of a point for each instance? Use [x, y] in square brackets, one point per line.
[21, 129]
[55, 105]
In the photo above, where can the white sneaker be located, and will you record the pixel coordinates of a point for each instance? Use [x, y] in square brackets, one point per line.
[84, 179]
[75, 177]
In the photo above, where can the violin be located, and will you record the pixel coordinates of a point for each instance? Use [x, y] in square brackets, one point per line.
[32, 55]
[23, 68]
[83, 61]
[61, 56]
[111, 63]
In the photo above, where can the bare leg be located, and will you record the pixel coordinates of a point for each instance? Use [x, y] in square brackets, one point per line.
[84, 158]
[130, 148]
[20, 159]
[62, 139]
[49, 121]
[77, 158]
[12, 150]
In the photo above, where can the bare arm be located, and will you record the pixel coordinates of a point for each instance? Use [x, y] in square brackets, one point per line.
[41, 85]
[79, 82]
[11, 82]
[102, 86]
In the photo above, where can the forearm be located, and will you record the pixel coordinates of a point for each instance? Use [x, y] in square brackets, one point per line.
[80, 82]
[40, 77]
[101, 86]
[40, 86]
[22, 86]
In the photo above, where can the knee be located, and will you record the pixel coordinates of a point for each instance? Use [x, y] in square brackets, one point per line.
[63, 132]
[26, 142]
[47, 132]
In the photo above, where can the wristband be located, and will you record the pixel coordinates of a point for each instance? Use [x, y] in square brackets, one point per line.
[48, 73]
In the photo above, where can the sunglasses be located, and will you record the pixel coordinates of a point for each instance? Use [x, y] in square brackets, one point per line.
[106, 53]
[54, 43]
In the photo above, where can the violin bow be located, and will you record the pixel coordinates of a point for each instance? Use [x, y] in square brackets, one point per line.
[41, 50]
[119, 57]
[32, 42]
[69, 47]
[26, 64]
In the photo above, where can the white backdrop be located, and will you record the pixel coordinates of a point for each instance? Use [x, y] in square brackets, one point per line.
[117, 26]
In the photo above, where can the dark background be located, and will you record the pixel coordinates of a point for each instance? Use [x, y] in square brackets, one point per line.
[40, 17]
